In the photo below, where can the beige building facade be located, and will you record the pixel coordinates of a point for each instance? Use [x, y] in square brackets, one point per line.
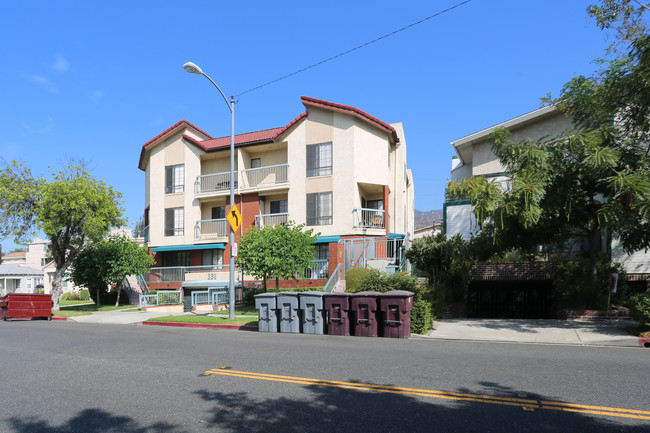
[334, 168]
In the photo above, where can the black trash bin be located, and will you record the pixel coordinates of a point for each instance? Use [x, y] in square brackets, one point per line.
[396, 309]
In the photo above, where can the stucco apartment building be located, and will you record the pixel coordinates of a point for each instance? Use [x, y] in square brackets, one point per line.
[475, 158]
[334, 168]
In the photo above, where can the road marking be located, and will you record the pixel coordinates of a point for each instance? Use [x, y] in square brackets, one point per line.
[525, 403]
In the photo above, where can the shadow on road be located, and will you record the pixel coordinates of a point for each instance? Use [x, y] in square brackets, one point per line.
[322, 408]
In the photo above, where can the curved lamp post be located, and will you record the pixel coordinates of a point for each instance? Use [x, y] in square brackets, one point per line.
[194, 69]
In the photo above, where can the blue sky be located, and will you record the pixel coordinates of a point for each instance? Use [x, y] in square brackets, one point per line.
[96, 80]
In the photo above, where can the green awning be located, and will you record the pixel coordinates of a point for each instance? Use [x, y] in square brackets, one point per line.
[189, 247]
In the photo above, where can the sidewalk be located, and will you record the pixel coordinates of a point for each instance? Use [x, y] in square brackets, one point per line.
[493, 330]
[535, 331]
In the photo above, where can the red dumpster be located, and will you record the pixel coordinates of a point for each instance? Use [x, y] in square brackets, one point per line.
[364, 306]
[25, 306]
[396, 308]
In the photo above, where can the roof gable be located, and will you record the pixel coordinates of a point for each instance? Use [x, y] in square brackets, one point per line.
[166, 133]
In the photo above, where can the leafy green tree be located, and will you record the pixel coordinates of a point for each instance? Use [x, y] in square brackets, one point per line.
[589, 181]
[281, 251]
[107, 262]
[445, 262]
[70, 209]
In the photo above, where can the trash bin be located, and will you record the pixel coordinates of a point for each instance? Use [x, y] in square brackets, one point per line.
[26, 306]
[311, 309]
[288, 312]
[266, 304]
[337, 306]
[395, 309]
[364, 306]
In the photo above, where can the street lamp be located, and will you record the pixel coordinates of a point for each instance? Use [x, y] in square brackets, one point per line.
[194, 69]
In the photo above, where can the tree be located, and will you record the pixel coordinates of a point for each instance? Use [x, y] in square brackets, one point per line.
[138, 230]
[107, 262]
[70, 210]
[445, 262]
[589, 181]
[282, 251]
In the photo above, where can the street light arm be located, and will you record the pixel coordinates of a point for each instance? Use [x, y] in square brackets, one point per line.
[215, 85]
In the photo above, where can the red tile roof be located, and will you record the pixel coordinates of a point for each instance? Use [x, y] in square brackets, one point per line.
[267, 135]
[13, 255]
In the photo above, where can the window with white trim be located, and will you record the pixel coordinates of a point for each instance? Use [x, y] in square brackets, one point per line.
[319, 208]
[174, 221]
[174, 178]
[212, 257]
[319, 159]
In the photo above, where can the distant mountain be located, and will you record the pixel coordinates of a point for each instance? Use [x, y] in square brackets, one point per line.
[423, 219]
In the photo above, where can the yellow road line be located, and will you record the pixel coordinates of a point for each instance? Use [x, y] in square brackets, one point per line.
[527, 404]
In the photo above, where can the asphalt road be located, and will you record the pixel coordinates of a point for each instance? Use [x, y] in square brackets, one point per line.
[72, 377]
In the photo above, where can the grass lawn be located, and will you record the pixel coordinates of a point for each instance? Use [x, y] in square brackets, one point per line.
[244, 310]
[67, 313]
[92, 307]
[64, 303]
[206, 319]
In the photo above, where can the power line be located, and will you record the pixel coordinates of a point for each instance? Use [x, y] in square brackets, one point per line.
[356, 48]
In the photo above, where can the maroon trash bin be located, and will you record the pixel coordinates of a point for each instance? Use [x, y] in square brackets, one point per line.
[364, 308]
[337, 306]
[25, 306]
[396, 309]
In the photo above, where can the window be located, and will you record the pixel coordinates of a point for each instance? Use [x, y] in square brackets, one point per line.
[176, 258]
[218, 212]
[174, 221]
[174, 178]
[319, 159]
[212, 257]
[279, 206]
[319, 209]
[320, 264]
[256, 162]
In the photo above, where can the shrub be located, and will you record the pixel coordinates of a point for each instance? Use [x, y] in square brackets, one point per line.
[640, 309]
[84, 295]
[352, 279]
[572, 287]
[249, 296]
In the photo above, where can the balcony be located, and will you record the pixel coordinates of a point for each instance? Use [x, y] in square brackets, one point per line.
[210, 229]
[265, 177]
[368, 218]
[273, 219]
[319, 270]
[214, 184]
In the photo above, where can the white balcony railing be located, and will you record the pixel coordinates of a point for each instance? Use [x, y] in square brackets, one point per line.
[369, 218]
[272, 219]
[211, 228]
[213, 182]
[265, 176]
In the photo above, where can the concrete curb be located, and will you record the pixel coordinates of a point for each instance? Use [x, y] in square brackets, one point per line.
[62, 319]
[202, 325]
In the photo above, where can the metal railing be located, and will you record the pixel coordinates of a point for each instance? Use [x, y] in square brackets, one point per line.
[213, 182]
[264, 176]
[144, 288]
[272, 219]
[178, 274]
[214, 296]
[368, 218]
[319, 269]
[211, 228]
[334, 279]
[164, 297]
